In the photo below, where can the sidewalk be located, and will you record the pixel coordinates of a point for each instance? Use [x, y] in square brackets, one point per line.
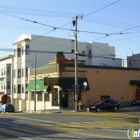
[123, 106]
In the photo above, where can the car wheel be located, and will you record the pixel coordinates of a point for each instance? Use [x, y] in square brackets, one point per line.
[115, 108]
[134, 103]
[98, 109]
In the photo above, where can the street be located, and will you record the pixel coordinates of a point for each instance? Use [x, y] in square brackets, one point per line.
[107, 125]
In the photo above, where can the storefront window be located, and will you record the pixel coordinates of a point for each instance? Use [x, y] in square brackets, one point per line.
[47, 97]
[54, 99]
[32, 96]
[39, 96]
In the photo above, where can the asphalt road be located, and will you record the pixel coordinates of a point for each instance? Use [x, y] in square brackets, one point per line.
[68, 125]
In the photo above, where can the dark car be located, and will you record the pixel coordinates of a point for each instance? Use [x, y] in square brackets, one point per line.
[7, 108]
[136, 102]
[106, 104]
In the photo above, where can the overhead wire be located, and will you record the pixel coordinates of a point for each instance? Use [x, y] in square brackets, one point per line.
[102, 8]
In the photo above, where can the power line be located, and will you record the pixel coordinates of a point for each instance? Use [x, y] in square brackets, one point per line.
[37, 12]
[54, 28]
[101, 8]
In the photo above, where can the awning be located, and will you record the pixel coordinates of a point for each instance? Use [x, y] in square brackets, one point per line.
[67, 83]
[39, 85]
[3, 98]
[135, 82]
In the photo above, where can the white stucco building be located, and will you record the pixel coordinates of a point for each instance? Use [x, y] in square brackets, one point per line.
[6, 78]
[26, 46]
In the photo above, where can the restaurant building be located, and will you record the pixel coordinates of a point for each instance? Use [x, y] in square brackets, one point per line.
[55, 84]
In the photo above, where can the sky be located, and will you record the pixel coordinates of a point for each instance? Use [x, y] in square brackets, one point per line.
[115, 22]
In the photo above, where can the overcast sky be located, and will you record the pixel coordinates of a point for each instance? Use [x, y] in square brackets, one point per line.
[116, 22]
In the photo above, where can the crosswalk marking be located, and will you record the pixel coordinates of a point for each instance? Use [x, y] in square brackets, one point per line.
[104, 114]
[13, 133]
[29, 131]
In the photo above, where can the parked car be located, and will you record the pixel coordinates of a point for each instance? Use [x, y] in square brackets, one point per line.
[105, 104]
[7, 108]
[136, 102]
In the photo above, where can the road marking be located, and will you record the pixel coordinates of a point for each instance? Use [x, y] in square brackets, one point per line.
[103, 114]
[32, 119]
[70, 136]
[96, 135]
[29, 131]
[25, 138]
[123, 131]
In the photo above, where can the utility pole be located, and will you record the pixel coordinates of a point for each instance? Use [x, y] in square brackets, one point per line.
[76, 61]
[35, 82]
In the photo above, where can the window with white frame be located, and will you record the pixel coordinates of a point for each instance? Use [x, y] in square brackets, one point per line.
[22, 72]
[22, 50]
[19, 73]
[19, 52]
[15, 88]
[46, 97]
[4, 70]
[27, 50]
[23, 88]
[26, 71]
[8, 70]
[1, 84]
[39, 96]
[19, 89]
[8, 85]
[32, 96]
[14, 73]
[4, 84]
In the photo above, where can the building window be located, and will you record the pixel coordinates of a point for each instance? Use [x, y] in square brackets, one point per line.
[15, 87]
[4, 70]
[46, 97]
[22, 72]
[22, 50]
[27, 72]
[90, 54]
[54, 99]
[1, 84]
[19, 52]
[27, 49]
[14, 73]
[4, 85]
[22, 88]
[19, 89]
[8, 85]
[39, 96]
[32, 96]
[8, 70]
[19, 73]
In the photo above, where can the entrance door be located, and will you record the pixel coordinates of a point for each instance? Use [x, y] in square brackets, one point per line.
[65, 100]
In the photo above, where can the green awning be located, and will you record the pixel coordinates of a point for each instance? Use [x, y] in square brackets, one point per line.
[67, 83]
[135, 82]
[39, 85]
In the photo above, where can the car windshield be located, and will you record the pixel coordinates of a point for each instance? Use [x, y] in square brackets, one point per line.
[9, 105]
[98, 103]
